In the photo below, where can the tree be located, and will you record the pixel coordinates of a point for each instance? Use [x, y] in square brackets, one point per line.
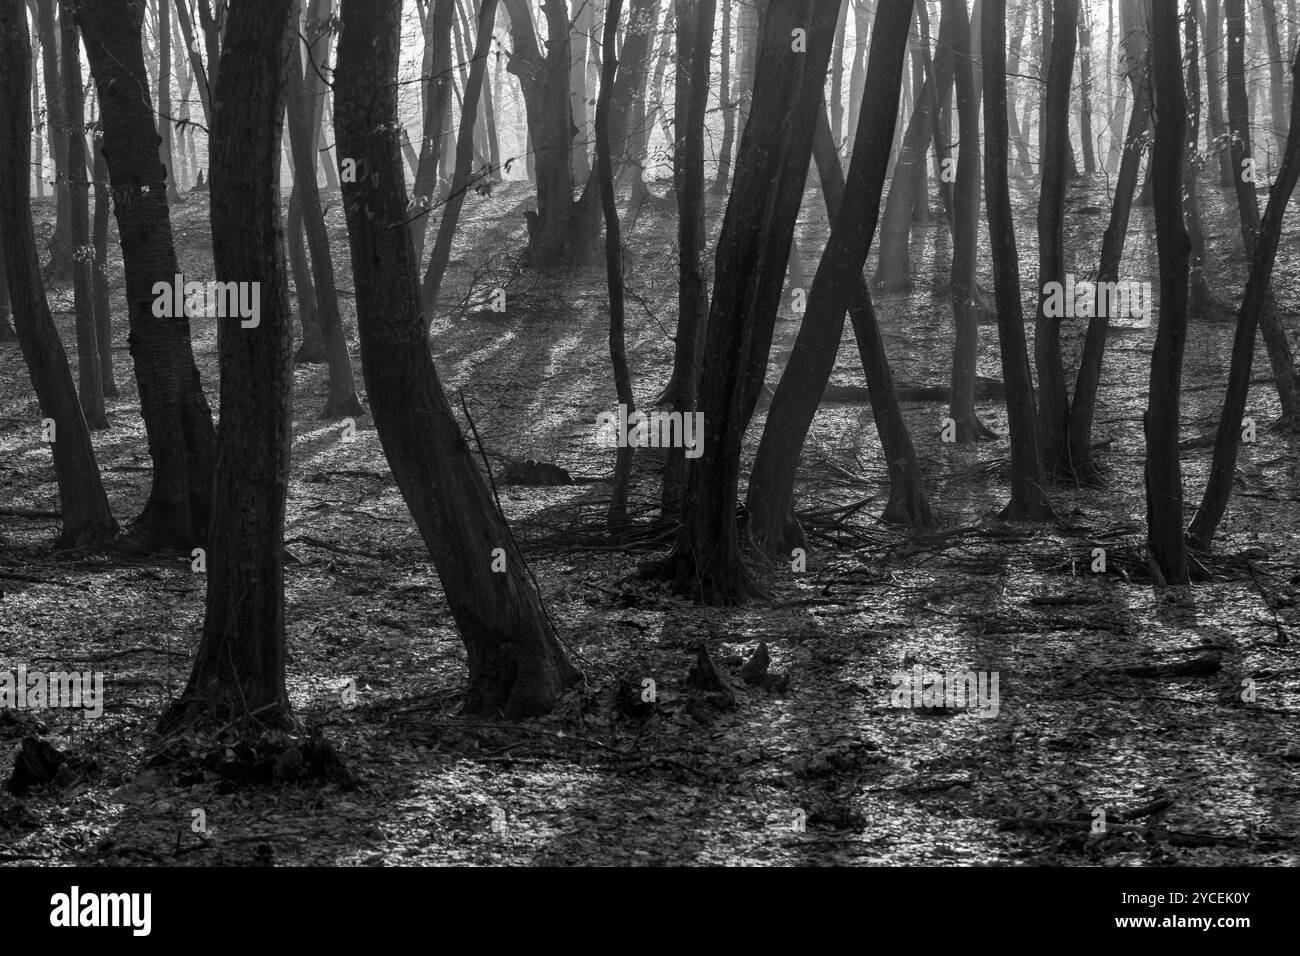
[437, 111]
[82, 262]
[99, 276]
[6, 329]
[165, 120]
[757, 230]
[728, 108]
[694, 45]
[1028, 496]
[965, 310]
[182, 441]
[1163, 472]
[1218, 488]
[341, 400]
[57, 118]
[516, 665]
[771, 485]
[238, 672]
[87, 520]
[1053, 403]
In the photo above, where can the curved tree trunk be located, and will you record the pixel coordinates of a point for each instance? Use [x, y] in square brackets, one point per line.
[341, 400]
[516, 665]
[1218, 488]
[87, 520]
[771, 169]
[182, 441]
[1028, 496]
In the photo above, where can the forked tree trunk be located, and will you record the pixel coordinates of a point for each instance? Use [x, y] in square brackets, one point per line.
[91, 387]
[87, 520]
[770, 501]
[771, 169]
[1053, 404]
[1163, 471]
[1218, 488]
[341, 399]
[516, 665]
[966, 203]
[1028, 496]
[238, 672]
[182, 442]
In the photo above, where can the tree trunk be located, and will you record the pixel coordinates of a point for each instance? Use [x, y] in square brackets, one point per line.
[858, 72]
[721, 183]
[1088, 379]
[1200, 299]
[583, 25]
[1085, 94]
[1276, 96]
[1214, 83]
[165, 119]
[837, 73]
[238, 673]
[1279, 350]
[179, 424]
[1053, 404]
[311, 351]
[516, 665]
[1028, 496]
[1163, 471]
[437, 99]
[91, 387]
[87, 520]
[771, 169]
[770, 501]
[341, 400]
[99, 276]
[196, 60]
[7, 333]
[966, 203]
[56, 115]
[694, 43]
[643, 115]
[463, 177]
[1218, 488]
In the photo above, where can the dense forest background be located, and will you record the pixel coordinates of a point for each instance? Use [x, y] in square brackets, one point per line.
[648, 431]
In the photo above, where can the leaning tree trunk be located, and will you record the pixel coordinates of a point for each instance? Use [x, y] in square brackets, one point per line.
[1243, 163]
[1088, 379]
[1053, 404]
[238, 673]
[770, 501]
[91, 386]
[694, 42]
[966, 203]
[1163, 471]
[516, 665]
[771, 169]
[1028, 497]
[182, 442]
[341, 399]
[87, 520]
[1218, 488]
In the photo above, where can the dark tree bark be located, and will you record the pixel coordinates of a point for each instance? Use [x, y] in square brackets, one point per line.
[1200, 298]
[87, 520]
[7, 333]
[1163, 472]
[463, 177]
[196, 60]
[584, 23]
[966, 203]
[694, 43]
[1085, 94]
[99, 276]
[723, 180]
[770, 501]
[1053, 404]
[837, 72]
[60, 263]
[1084, 404]
[1276, 95]
[238, 673]
[1028, 496]
[165, 120]
[90, 381]
[617, 515]
[311, 351]
[516, 665]
[771, 169]
[1218, 488]
[341, 400]
[182, 441]
[1243, 163]
[544, 78]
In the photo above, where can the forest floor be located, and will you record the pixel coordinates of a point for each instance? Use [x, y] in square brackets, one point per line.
[1113, 695]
